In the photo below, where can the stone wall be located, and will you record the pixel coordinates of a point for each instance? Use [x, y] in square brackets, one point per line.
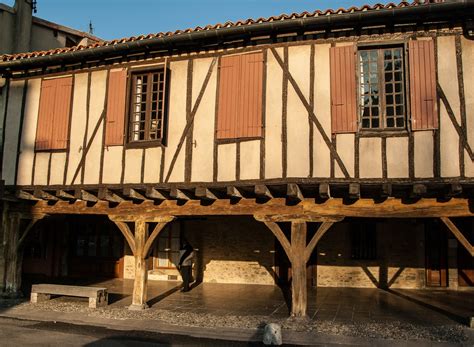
[399, 262]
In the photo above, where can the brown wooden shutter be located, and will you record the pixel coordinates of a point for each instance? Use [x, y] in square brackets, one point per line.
[240, 96]
[53, 117]
[343, 89]
[423, 85]
[114, 130]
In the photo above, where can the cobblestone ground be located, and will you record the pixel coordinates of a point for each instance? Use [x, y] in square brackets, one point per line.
[396, 330]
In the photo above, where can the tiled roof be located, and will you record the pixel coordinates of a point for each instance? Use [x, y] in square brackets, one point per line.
[229, 24]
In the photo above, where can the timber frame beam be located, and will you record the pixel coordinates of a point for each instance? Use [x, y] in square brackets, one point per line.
[458, 235]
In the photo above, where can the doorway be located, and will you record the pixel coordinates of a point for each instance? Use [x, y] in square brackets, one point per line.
[436, 254]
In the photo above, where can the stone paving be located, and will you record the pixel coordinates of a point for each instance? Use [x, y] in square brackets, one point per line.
[359, 313]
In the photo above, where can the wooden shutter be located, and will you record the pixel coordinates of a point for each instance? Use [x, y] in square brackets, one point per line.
[424, 113]
[53, 117]
[343, 89]
[116, 99]
[240, 96]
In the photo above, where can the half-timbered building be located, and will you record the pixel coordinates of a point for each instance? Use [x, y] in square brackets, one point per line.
[326, 148]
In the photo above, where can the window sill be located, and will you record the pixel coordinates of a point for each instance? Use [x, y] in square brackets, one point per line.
[383, 133]
[51, 150]
[238, 139]
[144, 144]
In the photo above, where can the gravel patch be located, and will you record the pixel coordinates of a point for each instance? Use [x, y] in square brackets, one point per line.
[394, 330]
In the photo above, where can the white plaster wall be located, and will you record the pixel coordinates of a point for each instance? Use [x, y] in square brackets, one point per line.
[226, 161]
[203, 132]
[78, 126]
[468, 73]
[152, 165]
[58, 161]
[12, 130]
[423, 143]
[397, 157]
[273, 120]
[322, 110]
[41, 168]
[370, 157]
[112, 164]
[345, 148]
[133, 165]
[176, 120]
[297, 116]
[447, 76]
[250, 160]
[27, 144]
[96, 108]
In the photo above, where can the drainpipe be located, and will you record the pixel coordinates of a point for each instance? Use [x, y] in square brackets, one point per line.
[23, 18]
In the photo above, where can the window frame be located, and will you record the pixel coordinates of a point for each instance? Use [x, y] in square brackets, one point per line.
[162, 68]
[382, 131]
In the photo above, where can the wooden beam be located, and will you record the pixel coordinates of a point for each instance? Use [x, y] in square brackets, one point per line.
[108, 195]
[204, 193]
[84, 195]
[127, 233]
[234, 192]
[299, 291]
[154, 194]
[179, 194]
[297, 217]
[156, 231]
[367, 208]
[323, 228]
[137, 217]
[63, 195]
[41, 194]
[458, 235]
[133, 194]
[354, 190]
[293, 192]
[324, 191]
[139, 295]
[386, 190]
[24, 195]
[30, 225]
[280, 235]
[418, 190]
[454, 189]
[262, 191]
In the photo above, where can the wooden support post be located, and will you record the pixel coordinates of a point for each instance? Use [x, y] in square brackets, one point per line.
[140, 244]
[14, 253]
[139, 296]
[298, 253]
[298, 270]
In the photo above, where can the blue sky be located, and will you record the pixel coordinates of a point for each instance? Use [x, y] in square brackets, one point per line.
[122, 18]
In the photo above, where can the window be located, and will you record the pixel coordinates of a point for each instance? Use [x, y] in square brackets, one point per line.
[382, 88]
[166, 252]
[147, 106]
[53, 117]
[363, 241]
[240, 99]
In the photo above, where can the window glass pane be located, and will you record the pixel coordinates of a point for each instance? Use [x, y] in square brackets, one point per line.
[400, 122]
[375, 122]
[390, 123]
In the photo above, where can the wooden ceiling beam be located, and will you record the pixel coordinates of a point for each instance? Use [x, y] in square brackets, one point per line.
[354, 191]
[180, 194]
[324, 191]
[418, 190]
[262, 191]
[133, 194]
[293, 192]
[108, 195]
[386, 190]
[25, 195]
[154, 194]
[41, 194]
[205, 194]
[234, 193]
[84, 195]
[63, 195]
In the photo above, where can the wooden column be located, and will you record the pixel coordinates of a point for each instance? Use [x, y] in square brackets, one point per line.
[140, 242]
[299, 297]
[298, 251]
[15, 236]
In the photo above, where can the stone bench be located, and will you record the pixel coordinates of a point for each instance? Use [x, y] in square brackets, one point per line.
[97, 296]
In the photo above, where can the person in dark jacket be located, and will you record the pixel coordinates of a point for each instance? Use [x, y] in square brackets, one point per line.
[186, 254]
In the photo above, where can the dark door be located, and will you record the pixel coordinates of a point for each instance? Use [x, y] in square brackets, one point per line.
[436, 255]
[465, 260]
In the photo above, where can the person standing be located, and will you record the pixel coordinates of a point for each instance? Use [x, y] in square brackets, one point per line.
[186, 254]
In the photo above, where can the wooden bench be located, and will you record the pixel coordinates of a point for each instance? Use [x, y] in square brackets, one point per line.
[97, 296]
